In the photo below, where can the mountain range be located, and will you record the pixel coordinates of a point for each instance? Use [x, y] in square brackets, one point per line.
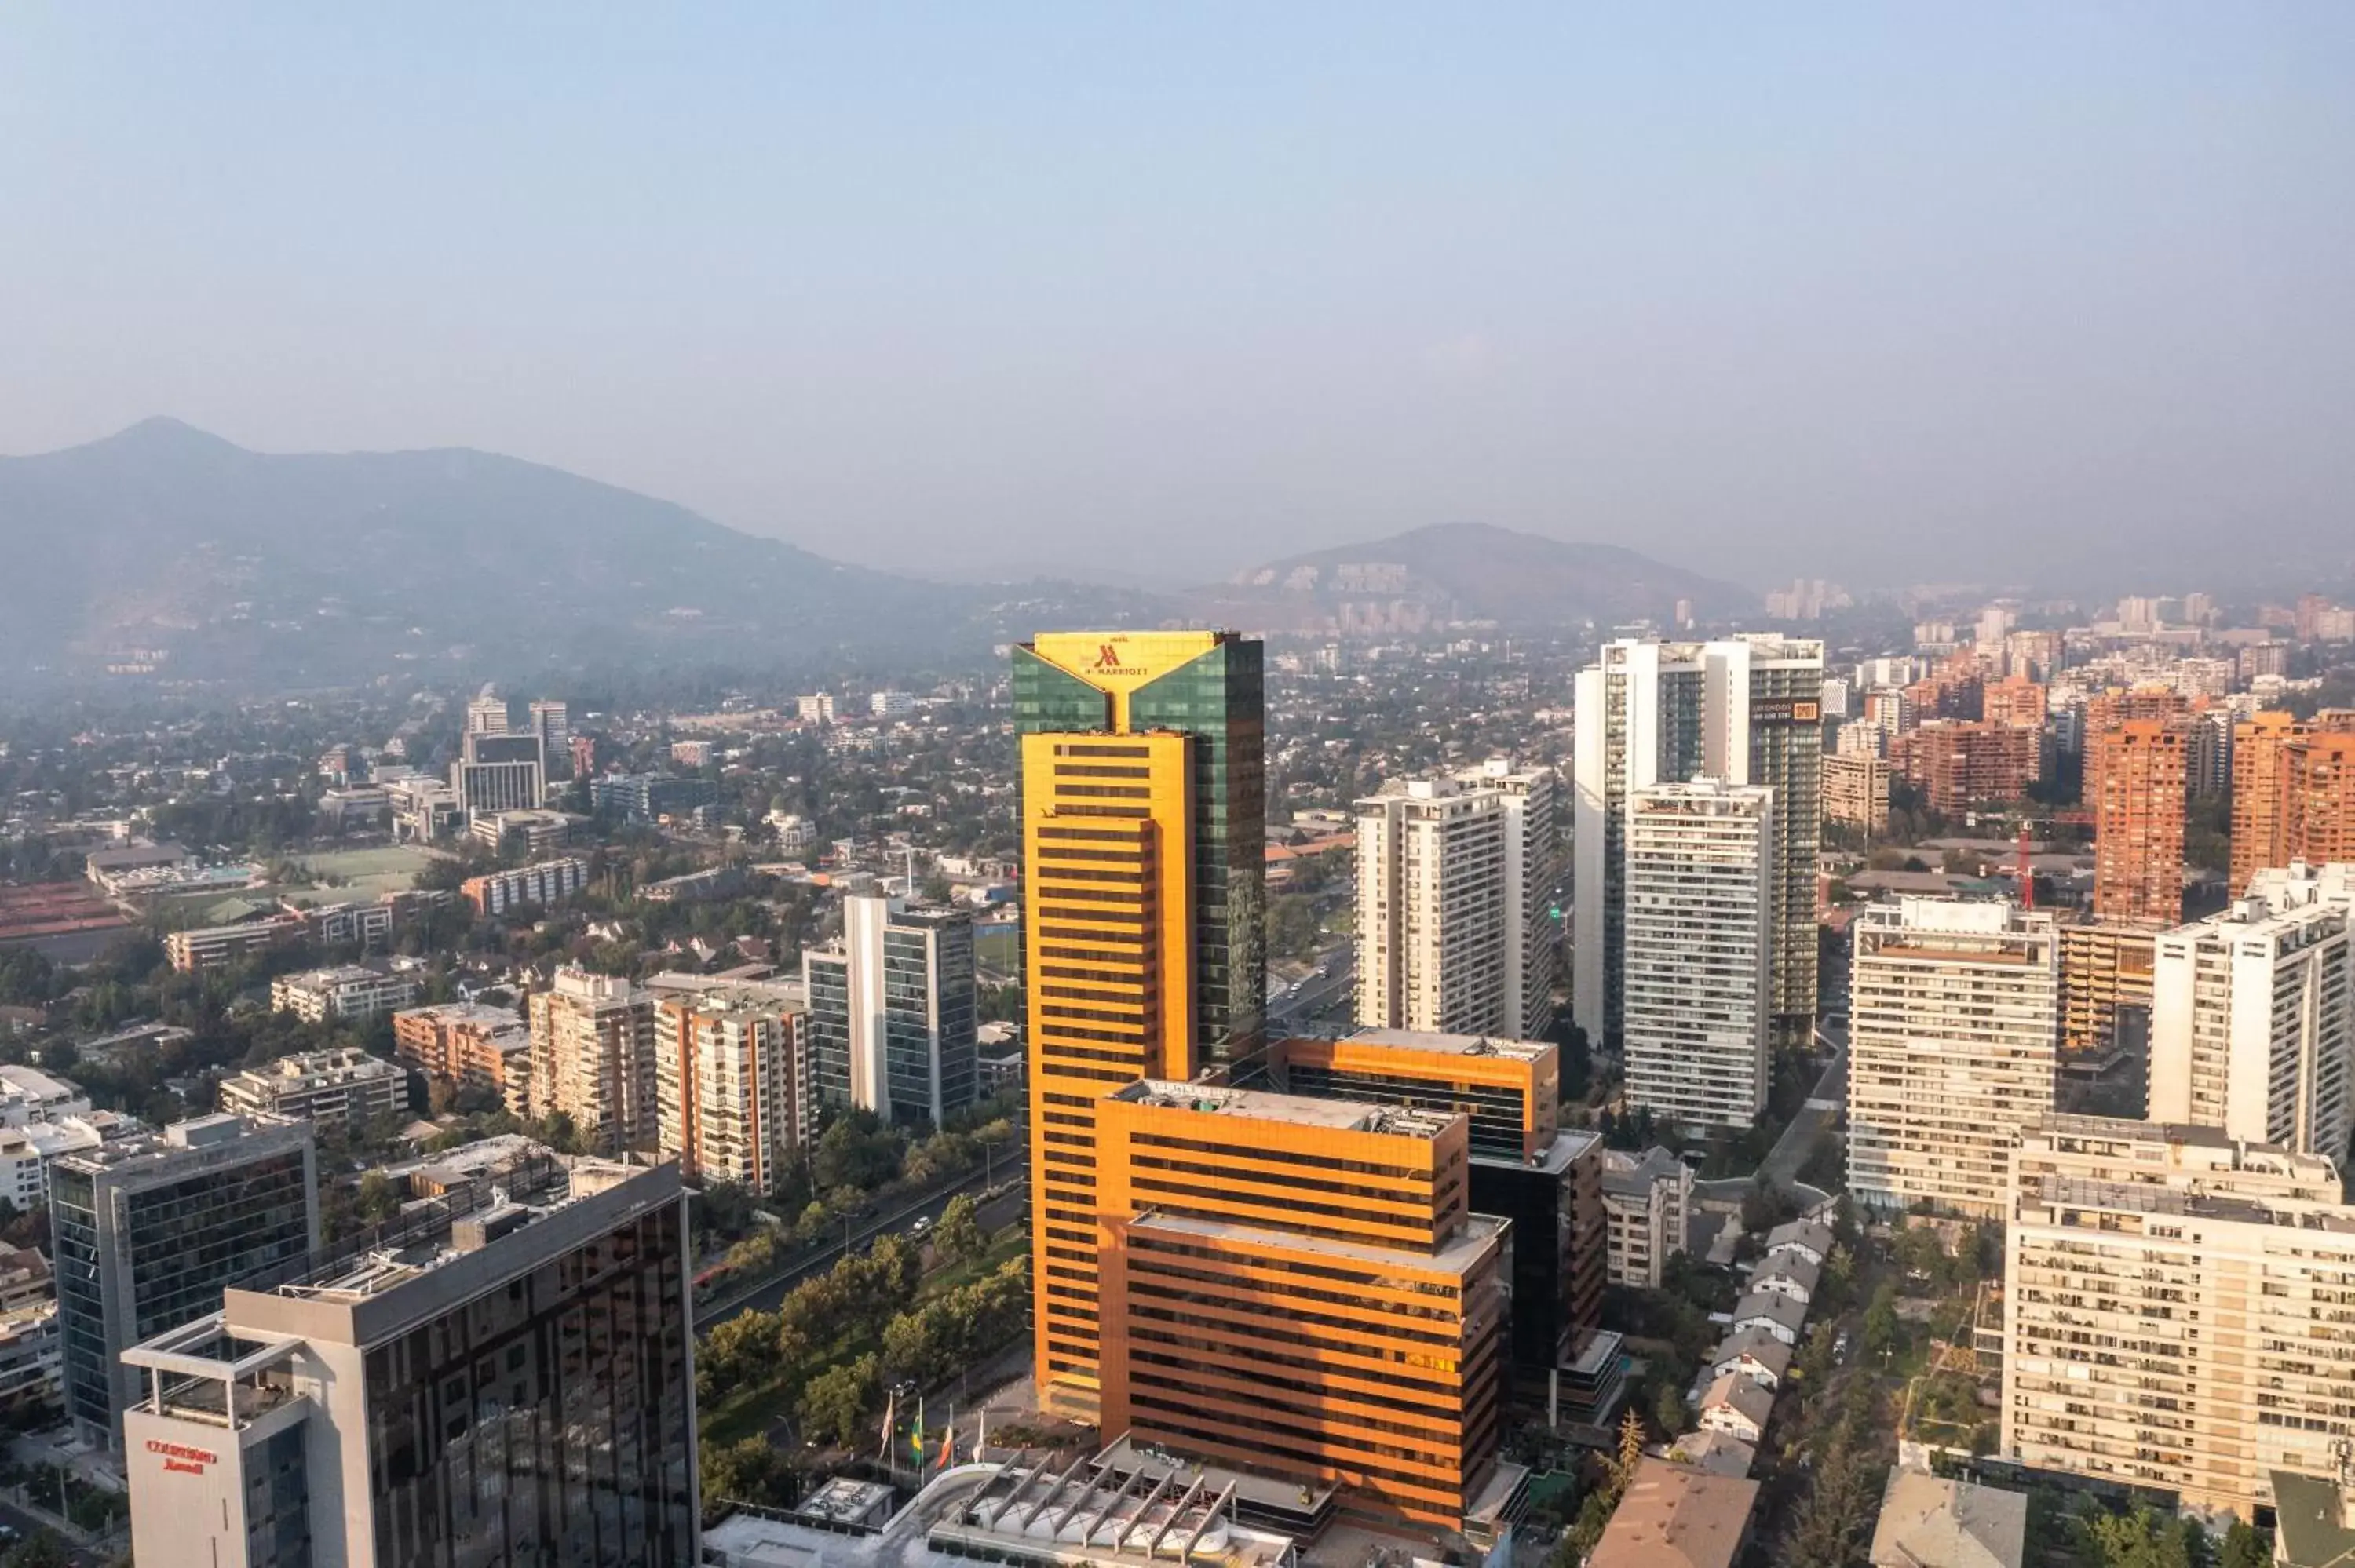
[1457, 572]
[166, 550]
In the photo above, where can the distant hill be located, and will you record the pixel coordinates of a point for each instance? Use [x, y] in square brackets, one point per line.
[164, 546]
[1454, 572]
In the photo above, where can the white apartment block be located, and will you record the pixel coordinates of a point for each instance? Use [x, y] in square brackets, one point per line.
[1953, 1046]
[891, 704]
[27, 1151]
[1647, 1208]
[1700, 916]
[2253, 1015]
[1455, 876]
[2180, 1310]
[593, 1057]
[346, 1088]
[487, 713]
[1747, 710]
[1431, 911]
[731, 1086]
[346, 991]
[28, 1095]
[815, 708]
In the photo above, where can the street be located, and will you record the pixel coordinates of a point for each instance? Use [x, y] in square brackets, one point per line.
[1789, 1155]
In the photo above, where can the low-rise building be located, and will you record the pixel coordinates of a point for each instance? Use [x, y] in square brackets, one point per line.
[26, 1152]
[32, 1358]
[344, 1086]
[1769, 1312]
[1810, 1239]
[1737, 1406]
[26, 1280]
[29, 1095]
[423, 808]
[209, 948]
[1928, 1521]
[697, 886]
[647, 798]
[346, 991]
[536, 830]
[2314, 1518]
[1788, 1274]
[1713, 1453]
[1675, 1516]
[543, 882]
[1646, 1205]
[1760, 1357]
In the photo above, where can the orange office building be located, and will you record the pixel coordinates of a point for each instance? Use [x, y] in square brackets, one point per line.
[1299, 1285]
[1525, 1168]
[2138, 774]
[1142, 924]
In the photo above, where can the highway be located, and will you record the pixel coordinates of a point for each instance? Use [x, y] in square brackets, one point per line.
[1010, 1171]
[1318, 994]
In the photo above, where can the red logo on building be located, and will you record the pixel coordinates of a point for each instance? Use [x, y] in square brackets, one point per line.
[1107, 656]
[181, 1458]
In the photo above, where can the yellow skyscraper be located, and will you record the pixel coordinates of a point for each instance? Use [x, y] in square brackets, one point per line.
[1142, 927]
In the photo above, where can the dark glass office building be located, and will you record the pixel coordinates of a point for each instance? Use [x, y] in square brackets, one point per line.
[148, 1231]
[517, 1391]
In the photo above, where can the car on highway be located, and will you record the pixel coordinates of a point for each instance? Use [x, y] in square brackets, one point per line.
[923, 1225]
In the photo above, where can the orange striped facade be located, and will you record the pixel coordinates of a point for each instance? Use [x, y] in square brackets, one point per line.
[1299, 1285]
[1108, 941]
[1511, 1089]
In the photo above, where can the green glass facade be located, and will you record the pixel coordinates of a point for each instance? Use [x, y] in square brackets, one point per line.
[1217, 699]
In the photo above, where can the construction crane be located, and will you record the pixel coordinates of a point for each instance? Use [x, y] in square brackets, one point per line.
[2025, 871]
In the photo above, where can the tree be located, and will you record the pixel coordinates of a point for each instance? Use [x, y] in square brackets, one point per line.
[1668, 1410]
[835, 1404]
[1880, 1321]
[750, 1471]
[378, 1199]
[44, 1549]
[1631, 1449]
[2246, 1546]
[911, 1348]
[2143, 1538]
[960, 1236]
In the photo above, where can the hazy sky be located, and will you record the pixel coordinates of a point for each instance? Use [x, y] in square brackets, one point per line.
[1860, 291]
